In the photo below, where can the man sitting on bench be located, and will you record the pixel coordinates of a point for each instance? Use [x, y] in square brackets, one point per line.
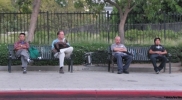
[157, 51]
[119, 52]
[21, 50]
[61, 49]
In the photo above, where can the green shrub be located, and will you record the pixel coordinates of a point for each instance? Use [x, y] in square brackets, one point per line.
[134, 35]
[3, 54]
[89, 46]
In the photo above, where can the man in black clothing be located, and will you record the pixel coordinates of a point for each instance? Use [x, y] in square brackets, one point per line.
[157, 51]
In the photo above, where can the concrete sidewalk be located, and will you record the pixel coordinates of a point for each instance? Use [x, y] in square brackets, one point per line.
[85, 78]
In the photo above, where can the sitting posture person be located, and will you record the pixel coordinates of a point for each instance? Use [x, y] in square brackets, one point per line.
[21, 50]
[119, 52]
[157, 51]
[61, 49]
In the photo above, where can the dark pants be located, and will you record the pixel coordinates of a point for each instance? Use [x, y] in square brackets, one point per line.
[119, 58]
[162, 58]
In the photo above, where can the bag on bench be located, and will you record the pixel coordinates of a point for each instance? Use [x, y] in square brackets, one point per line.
[34, 53]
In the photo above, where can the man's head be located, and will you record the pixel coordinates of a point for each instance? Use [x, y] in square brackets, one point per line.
[22, 36]
[117, 40]
[60, 34]
[157, 41]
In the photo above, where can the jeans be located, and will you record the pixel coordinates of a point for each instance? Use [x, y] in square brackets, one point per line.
[162, 58]
[120, 57]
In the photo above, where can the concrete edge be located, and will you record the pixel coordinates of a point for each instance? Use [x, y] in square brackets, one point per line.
[91, 93]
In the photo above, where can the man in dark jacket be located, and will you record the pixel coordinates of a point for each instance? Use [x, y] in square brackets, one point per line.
[157, 51]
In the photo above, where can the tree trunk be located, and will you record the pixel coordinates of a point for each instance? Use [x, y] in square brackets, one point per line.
[121, 26]
[33, 20]
[121, 31]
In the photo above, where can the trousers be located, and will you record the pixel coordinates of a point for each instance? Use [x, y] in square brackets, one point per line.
[120, 57]
[66, 52]
[23, 53]
[154, 58]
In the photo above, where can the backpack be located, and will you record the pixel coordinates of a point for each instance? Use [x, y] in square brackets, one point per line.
[34, 53]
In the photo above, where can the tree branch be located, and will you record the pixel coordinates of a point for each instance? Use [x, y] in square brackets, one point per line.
[114, 4]
[128, 8]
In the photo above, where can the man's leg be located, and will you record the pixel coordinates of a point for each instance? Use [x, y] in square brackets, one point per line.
[61, 58]
[62, 53]
[128, 62]
[163, 62]
[68, 52]
[24, 62]
[119, 62]
[153, 60]
[23, 53]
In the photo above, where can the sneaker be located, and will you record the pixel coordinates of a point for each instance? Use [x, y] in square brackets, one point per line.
[24, 70]
[61, 70]
[126, 72]
[30, 61]
[157, 72]
[120, 72]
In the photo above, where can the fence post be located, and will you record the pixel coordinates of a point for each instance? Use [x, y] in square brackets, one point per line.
[164, 27]
[108, 25]
[48, 25]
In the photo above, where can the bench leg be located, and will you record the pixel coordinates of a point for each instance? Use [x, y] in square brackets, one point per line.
[112, 67]
[164, 68]
[169, 67]
[71, 65]
[9, 65]
[109, 66]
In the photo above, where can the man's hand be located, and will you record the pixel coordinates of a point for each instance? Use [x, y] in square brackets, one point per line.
[22, 46]
[160, 53]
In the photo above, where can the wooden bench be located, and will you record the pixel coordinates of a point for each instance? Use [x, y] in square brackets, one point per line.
[45, 52]
[140, 54]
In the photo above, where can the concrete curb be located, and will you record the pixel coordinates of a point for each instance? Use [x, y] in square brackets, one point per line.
[91, 93]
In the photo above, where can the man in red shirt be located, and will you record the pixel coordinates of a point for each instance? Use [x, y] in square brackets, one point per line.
[21, 50]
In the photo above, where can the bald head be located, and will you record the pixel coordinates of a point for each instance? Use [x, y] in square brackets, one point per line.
[117, 40]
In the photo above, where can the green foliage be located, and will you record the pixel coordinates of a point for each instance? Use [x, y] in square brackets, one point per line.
[99, 57]
[78, 4]
[62, 3]
[5, 6]
[150, 34]
[24, 6]
[3, 54]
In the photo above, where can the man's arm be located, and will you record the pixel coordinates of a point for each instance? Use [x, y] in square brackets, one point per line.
[18, 46]
[25, 46]
[157, 52]
[116, 49]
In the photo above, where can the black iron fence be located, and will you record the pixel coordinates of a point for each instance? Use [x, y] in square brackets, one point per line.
[91, 27]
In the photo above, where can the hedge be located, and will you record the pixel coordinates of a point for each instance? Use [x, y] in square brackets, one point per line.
[79, 50]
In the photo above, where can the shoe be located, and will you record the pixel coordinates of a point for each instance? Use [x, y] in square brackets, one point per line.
[61, 70]
[126, 72]
[30, 61]
[157, 72]
[24, 70]
[120, 72]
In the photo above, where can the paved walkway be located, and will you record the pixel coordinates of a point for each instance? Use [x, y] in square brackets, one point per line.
[86, 78]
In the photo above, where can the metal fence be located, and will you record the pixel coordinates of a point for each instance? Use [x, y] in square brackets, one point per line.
[91, 27]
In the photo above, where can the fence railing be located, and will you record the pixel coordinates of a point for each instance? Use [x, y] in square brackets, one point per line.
[91, 27]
